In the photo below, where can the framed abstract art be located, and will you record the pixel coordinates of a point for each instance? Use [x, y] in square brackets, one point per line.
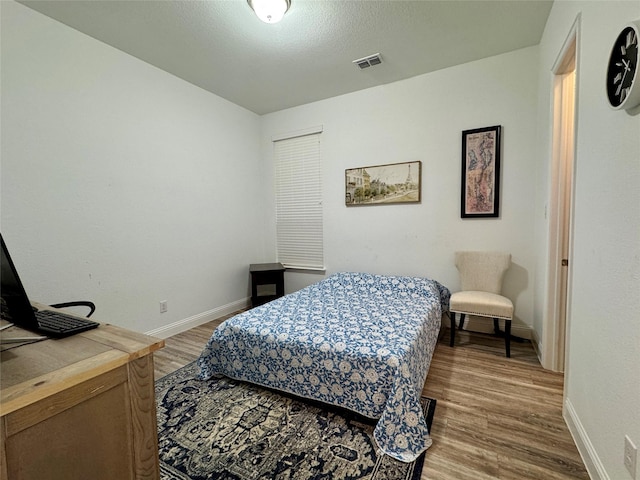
[480, 189]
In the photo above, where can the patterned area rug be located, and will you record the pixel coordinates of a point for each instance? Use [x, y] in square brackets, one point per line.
[231, 430]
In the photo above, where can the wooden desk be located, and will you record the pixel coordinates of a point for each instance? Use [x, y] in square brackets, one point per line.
[79, 408]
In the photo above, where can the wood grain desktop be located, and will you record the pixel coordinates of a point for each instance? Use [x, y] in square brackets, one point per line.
[79, 407]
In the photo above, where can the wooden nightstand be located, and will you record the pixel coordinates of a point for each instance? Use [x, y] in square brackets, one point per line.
[267, 282]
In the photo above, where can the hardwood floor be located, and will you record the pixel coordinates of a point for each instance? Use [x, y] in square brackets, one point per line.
[496, 417]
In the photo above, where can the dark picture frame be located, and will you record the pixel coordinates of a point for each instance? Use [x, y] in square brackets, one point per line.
[480, 188]
[384, 184]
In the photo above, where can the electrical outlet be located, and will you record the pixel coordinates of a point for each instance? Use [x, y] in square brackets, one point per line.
[163, 306]
[630, 456]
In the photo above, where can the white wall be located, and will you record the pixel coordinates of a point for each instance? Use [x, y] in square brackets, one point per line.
[120, 182]
[422, 119]
[125, 185]
[603, 376]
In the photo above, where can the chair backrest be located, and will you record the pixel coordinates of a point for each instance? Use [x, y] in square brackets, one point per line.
[482, 271]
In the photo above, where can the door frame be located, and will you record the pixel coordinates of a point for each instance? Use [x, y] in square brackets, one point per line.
[555, 352]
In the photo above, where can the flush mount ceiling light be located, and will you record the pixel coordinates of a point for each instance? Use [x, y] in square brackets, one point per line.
[270, 11]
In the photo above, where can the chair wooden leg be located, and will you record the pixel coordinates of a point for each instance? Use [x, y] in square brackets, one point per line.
[452, 316]
[461, 324]
[507, 337]
[496, 327]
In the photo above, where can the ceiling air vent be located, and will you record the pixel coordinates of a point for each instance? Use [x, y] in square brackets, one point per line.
[369, 61]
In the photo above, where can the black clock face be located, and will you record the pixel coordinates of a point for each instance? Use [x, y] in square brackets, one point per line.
[622, 66]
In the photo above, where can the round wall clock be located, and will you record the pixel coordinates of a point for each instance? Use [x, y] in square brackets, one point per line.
[623, 84]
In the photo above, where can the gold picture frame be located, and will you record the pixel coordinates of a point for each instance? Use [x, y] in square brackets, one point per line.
[384, 184]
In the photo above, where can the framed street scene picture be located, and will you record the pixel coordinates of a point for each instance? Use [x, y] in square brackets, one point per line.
[383, 184]
[481, 172]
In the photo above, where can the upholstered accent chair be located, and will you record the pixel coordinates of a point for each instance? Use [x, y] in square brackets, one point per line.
[481, 275]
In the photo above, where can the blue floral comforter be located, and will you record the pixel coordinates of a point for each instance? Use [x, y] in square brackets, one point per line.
[356, 340]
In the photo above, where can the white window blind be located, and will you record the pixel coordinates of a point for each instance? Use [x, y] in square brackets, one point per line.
[299, 202]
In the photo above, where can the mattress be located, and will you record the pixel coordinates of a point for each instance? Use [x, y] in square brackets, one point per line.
[355, 340]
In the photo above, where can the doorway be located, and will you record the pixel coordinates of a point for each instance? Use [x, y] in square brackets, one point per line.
[560, 204]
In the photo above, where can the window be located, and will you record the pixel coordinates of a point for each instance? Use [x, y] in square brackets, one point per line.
[299, 201]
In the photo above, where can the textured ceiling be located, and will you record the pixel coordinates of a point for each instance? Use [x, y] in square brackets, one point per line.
[222, 47]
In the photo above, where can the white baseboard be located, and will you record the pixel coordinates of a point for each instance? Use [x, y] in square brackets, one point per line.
[592, 462]
[199, 319]
[537, 345]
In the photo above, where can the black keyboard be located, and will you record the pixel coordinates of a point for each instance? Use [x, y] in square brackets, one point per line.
[60, 324]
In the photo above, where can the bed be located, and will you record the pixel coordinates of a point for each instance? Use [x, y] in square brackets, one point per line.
[355, 340]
